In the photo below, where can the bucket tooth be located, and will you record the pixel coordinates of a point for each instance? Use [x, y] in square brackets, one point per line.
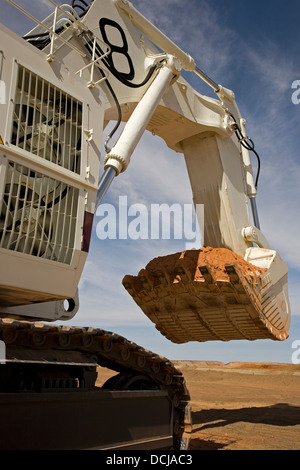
[232, 273]
[238, 284]
[129, 287]
[133, 285]
[206, 274]
[163, 277]
[146, 282]
[183, 274]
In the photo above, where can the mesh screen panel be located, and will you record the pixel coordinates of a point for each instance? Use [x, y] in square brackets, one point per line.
[38, 215]
[47, 122]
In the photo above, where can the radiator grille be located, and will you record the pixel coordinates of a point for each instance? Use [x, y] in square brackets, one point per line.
[38, 215]
[47, 122]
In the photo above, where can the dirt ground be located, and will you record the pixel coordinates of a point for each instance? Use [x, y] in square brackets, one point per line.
[243, 406]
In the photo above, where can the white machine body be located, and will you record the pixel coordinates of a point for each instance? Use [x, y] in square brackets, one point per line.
[57, 105]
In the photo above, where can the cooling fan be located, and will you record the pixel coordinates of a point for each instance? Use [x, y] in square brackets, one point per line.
[37, 209]
[26, 218]
[36, 133]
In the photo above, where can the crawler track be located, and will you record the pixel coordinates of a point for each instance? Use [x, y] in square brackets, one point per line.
[107, 349]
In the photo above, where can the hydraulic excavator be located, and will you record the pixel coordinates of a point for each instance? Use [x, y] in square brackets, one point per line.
[83, 66]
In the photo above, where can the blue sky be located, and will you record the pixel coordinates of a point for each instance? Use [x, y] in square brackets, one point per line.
[251, 48]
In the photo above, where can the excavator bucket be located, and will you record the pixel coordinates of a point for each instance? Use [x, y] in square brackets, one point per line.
[214, 294]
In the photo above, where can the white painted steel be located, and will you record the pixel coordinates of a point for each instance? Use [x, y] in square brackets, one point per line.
[155, 35]
[120, 154]
[45, 194]
[251, 189]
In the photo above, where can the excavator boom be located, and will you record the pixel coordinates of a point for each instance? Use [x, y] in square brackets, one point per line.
[83, 66]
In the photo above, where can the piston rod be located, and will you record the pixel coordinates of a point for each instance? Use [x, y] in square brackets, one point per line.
[105, 182]
[254, 212]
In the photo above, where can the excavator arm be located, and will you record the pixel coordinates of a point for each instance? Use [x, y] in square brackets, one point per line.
[125, 69]
[236, 288]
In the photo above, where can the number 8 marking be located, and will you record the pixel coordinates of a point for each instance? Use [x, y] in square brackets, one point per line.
[117, 49]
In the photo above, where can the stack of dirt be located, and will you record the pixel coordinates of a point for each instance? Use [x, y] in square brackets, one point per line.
[215, 259]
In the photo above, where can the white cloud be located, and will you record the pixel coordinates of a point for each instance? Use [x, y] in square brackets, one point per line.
[18, 21]
[155, 174]
[272, 68]
[104, 302]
